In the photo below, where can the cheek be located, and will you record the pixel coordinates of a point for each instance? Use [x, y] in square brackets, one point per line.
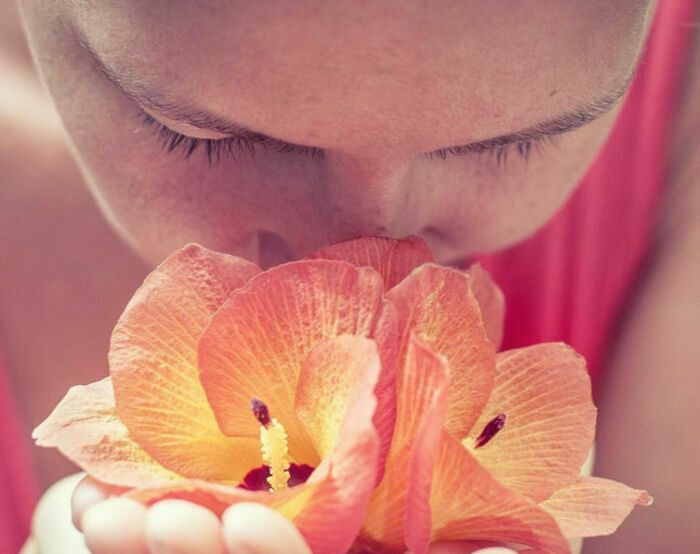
[162, 203]
[498, 207]
[159, 201]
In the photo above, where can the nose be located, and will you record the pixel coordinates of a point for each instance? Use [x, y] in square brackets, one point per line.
[373, 196]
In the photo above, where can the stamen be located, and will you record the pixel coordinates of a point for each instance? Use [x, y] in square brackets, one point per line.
[273, 441]
[490, 430]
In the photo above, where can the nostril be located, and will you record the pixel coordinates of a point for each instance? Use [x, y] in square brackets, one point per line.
[272, 250]
[433, 235]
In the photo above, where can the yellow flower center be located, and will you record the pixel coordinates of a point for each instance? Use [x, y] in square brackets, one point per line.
[273, 442]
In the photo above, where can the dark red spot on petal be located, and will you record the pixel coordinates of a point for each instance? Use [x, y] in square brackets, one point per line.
[298, 474]
[256, 479]
[260, 411]
[490, 430]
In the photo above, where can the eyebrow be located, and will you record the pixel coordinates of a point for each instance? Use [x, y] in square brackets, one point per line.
[183, 112]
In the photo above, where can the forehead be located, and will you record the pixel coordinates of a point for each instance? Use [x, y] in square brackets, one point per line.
[314, 72]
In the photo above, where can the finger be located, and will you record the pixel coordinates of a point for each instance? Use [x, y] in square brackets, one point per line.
[495, 550]
[463, 547]
[30, 547]
[86, 494]
[51, 524]
[178, 527]
[254, 529]
[115, 526]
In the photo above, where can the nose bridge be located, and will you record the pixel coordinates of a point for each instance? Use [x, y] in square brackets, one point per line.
[372, 195]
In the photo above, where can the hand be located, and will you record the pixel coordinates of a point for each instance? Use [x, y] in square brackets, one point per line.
[166, 528]
[113, 524]
[461, 547]
[52, 530]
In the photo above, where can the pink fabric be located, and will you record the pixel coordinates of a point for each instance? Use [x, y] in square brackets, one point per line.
[18, 487]
[570, 281]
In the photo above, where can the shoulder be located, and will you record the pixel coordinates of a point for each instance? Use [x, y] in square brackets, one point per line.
[680, 211]
[31, 136]
[28, 124]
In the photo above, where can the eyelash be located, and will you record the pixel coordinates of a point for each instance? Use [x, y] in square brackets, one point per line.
[500, 154]
[214, 149]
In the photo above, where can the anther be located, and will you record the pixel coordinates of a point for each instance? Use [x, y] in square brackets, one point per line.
[260, 411]
[490, 430]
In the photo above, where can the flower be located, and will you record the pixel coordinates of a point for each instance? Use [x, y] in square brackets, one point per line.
[359, 392]
[487, 446]
[227, 383]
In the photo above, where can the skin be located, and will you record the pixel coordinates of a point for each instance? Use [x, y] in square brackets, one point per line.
[375, 87]
[351, 80]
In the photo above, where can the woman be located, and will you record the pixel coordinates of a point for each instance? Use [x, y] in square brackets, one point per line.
[468, 123]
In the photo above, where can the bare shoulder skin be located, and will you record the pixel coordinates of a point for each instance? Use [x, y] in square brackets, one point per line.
[651, 398]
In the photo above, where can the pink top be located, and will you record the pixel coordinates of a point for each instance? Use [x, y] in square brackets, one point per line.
[568, 282]
[18, 487]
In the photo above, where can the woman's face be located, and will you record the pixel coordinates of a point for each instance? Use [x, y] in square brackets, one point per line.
[466, 122]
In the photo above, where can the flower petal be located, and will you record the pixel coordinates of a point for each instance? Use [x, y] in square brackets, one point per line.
[86, 429]
[329, 373]
[338, 504]
[592, 506]
[545, 393]
[328, 508]
[256, 344]
[153, 358]
[214, 496]
[438, 304]
[393, 259]
[466, 503]
[491, 301]
[422, 391]
[386, 337]
[327, 383]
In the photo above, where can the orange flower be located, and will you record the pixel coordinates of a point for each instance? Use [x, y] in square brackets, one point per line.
[360, 386]
[486, 446]
[228, 383]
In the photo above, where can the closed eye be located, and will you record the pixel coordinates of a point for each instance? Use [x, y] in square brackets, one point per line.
[523, 142]
[215, 149]
[247, 145]
[500, 153]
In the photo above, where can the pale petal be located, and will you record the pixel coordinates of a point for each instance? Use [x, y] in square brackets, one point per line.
[545, 393]
[153, 362]
[592, 506]
[86, 429]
